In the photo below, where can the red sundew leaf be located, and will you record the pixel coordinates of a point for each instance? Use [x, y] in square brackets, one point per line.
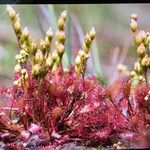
[140, 93]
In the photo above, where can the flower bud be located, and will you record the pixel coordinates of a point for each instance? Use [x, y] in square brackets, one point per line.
[49, 61]
[132, 74]
[36, 69]
[145, 61]
[60, 36]
[87, 40]
[92, 33]
[141, 78]
[82, 54]
[148, 39]
[143, 34]
[23, 71]
[47, 42]
[134, 17]
[49, 33]
[17, 82]
[61, 23]
[18, 57]
[141, 50]
[137, 68]
[138, 39]
[23, 52]
[133, 25]
[17, 27]
[17, 68]
[25, 34]
[26, 76]
[64, 15]
[11, 12]
[43, 46]
[39, 57]
[33, 47]
[60, 49]
[85, 48]
[54, 56]
[78, 60]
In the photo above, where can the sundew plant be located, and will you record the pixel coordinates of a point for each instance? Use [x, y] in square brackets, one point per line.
[49, 106]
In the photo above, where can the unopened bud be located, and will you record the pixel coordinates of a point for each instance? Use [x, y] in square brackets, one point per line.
[87, 40]
[60, 23]
[132, 74]
[82, 54]
[49, 33]
[54, 56]
[17, 68]
[133, 25]
[64, 15]
[39, 57]
[11, 11]
[143, 34]
[36, 69]
[145, 61]
[33, 47]
[25, 34]
[141, 50]
[61, 49]
[26, 76]
[23, 52]
[85, 48]
[17, 27]
[141, 78]
[49, 61]
[61, 36]
[16, 82]
[148, 39]
[43, 46]
[140, 37]
[23, 71]
[18, 57]
[78, 60]
[92, 33]
[137, 68]
[134, 16]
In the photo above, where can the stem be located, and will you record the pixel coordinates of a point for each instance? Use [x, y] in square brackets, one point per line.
[145, 75]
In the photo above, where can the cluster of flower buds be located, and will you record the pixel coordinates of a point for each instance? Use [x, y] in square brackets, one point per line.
[39, 56]
[142, 42]
[83, 55]
[60, 38]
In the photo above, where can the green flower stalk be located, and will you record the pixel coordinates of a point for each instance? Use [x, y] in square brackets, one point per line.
[83, 55]
[60, 37]
[142, 42]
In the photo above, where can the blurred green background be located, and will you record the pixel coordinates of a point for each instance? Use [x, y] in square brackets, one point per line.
[113, 42]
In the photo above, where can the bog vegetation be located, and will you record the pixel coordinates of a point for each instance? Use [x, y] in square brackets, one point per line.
[49, 105]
